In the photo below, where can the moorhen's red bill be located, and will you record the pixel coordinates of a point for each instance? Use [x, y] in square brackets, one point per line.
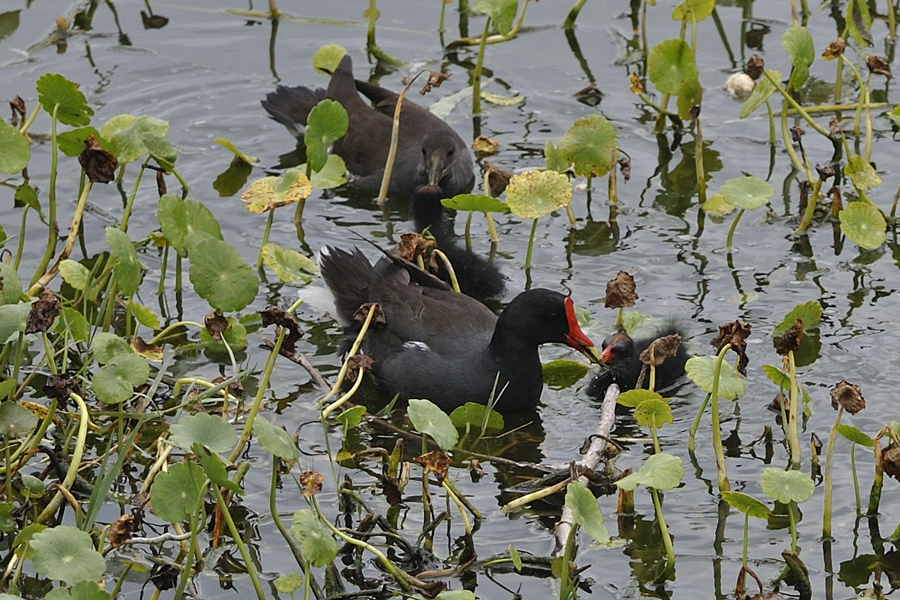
[445, 346]
[429, 152]
[622, 366]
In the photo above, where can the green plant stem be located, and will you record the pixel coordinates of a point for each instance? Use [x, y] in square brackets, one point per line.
[746, 538]
[168, 328]
[192, 549]
[75, 464]
[20, 247]
[454, 282]
[868, 147]
[790, 508]
[491, 228]
[242, 548]
[569, 23]
[126, 213]
[797, 107]
[406, 581]
[265, 238]
[343, 399]
[522, 501]
[51, 202]
[459, 505]
[352, 352]
[793, 426]
[530, 244]
[288, 538]
[731, 229]
[877, 481]
[476, 76]
[724, 485]
[663, 530]
[855, 478]
[698, 160]
[811, 203]
[829, 481]
[789, 146]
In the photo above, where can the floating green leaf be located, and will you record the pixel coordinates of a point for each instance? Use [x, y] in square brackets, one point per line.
[186, 223]
[16, 421]
[328, 57]
[746, 192]
[861, 173]
[129, 136]
[289, 265]
[810, 312]
[318, 547]
[661, 471]
[590, 144]
[115, 381]
[502, 100]
[176, 494]
[427, 418]
[83, 590]
[533, 194]
[798, 45]
[235, 335]
[501, 12]
[471, 415]
[14, 149]
[275, 440]
[221, 277]
[787, 486]
[855, 435]
[238, 154]
[560, 374]
[764, 88]
[288, 583]
[693, 11]
[632, 398]
[702, 371]
[670, 64]
[327, 122]
[67, 554]
[56, 93]
[476, 202]
[107, 345]
[127, 269]
[746, 504]
[586, 512]
[209, 430]
[863, 224]
[716, 206]
[653, 413]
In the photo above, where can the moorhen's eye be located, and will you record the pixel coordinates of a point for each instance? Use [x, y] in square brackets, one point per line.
[450, 152]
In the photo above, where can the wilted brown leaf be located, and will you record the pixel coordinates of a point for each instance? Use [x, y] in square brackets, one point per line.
[791, 339]
[620, 291]
[99, 164]
[413, 245]
[310, 483]
[735, 334]
[391, 489]
[148, 351]
[59, 387]
[847, 395]
[755, 66]
[18, 106]
[357, 362]
[484, 146]
[274, 315]
[42, 314]
[435, 79]
[878, 65]
[216, 324]
[378, 320]
[890, 460]
[120, 530]
[434, 462]
[660, 349]
[591, 95]
[497, 179]
[834, 49]
[637, 87]
[161, 183]
[625, 168]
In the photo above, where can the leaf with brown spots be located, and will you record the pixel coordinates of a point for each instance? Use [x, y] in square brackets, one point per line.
[216, 324]
[620, 291]
[98, 163]
[42, 314]
[310, 483]
[148, 351]
[736, 334]
[660, 349]
[435, 462]
[120, 530]
[791, 339]
[847, 395]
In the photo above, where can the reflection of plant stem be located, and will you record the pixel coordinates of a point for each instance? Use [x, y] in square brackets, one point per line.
[476, 76]
[236, 537]
[855, 478]
[75, 464]
[790, 508]
[829, 457]
[716, 429]
[530, 245]
[698, 161]
[494, 39]
[265, 238]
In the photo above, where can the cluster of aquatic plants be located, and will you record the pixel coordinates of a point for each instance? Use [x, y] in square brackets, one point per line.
[113, 405]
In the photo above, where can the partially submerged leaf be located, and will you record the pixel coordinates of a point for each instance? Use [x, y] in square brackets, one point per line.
[746, 192]
[269, 193]
[560, 374]
[475, 415]
[787, 486]
[533, 194]
[864, 225]
[240, 155]
[475, 202]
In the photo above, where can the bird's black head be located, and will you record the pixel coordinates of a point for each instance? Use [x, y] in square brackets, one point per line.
[438, 155]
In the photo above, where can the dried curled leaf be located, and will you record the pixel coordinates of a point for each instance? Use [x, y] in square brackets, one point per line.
[414, 245]
[59, 387]
[497, 179]
[735, 334]
[755, 66]
[310, 483]
[847, 395]
[890, 460]
[834, 49]
[791, 339]
[98, 163]
[435, 79]
[878, 65]
[216, 324]
[484, 146]
[435, 462]
[620, 291]
[378, 319]
[357, 362]
[274, 315]
[42, 314]
[120, 530]
[636, 86]
[660, 349]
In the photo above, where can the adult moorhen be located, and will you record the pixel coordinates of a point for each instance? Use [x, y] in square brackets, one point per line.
[445, 346]
[623, 367]
[429, 152]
